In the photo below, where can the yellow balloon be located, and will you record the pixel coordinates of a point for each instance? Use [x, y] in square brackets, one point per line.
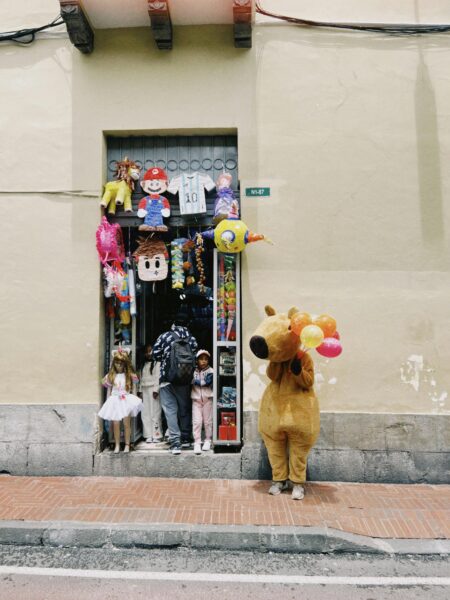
[311, 336]
[230, 235]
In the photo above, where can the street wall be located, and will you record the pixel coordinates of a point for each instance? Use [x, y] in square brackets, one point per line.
[349, 130]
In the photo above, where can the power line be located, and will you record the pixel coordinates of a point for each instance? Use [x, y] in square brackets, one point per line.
[27, 36]
[391, 28]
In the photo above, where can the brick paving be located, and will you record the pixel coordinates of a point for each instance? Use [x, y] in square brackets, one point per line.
[375, 510]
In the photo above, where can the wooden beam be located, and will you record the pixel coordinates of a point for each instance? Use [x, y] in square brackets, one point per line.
[158, 11]
[242, 17]
[78, 28]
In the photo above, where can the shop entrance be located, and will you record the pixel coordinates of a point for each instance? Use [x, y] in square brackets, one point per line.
[200, 294]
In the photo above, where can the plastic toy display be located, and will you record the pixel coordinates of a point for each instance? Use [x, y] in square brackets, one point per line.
[119, 192]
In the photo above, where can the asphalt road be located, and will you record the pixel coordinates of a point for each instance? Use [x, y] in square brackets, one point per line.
[31, 573]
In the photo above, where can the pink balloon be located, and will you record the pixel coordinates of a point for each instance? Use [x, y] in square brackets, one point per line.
[336, 335]
[330, 348]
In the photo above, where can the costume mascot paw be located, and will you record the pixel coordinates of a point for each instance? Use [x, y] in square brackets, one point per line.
[289, 419]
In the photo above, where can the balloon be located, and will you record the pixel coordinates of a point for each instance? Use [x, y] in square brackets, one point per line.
[327, 324]
[311, 336]
[330, 348]
[336, 335]
[299, 321]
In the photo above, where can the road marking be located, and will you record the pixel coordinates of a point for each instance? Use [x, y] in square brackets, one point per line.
[223, 577]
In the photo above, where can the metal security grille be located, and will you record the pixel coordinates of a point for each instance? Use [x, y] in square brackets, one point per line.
[209, 154]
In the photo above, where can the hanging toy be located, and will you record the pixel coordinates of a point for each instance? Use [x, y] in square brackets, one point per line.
[152, 259]
[109, 242]
[188, 267]
[230, 295]
[225, 197]
[119, 192]
[154, 207]
[231, 235]
[132, 288]
[113, 280]
[176, 251]
[199, 249]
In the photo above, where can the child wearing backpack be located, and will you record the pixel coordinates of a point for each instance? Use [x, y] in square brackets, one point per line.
[202, 402]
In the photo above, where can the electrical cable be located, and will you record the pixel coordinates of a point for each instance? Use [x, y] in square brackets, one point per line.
[391, 28]
[16, 36]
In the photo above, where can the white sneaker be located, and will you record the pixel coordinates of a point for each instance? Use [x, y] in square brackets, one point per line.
[298, 492]
[176, 450]
[127, 448]
[206, 445]
[149, 440]
[277, 487]
[197, 449]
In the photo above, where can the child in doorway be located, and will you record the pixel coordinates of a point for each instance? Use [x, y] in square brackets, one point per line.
[202, 402]
[151, 409]
[120, 404]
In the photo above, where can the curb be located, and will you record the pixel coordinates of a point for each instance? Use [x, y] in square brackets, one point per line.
[314, 540]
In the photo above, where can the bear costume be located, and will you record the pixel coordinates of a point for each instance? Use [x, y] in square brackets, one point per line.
[289, 418]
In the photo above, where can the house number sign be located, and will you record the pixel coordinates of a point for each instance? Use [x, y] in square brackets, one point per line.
[257, 191]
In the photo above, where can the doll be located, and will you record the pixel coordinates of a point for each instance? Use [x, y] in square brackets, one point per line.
[225, 198]
[154, 206]
[120, 404]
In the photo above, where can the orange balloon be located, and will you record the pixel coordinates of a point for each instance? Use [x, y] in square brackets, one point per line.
[327, 324]
[298, 321]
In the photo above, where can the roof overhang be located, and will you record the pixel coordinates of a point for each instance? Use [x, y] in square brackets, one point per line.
[83, 17]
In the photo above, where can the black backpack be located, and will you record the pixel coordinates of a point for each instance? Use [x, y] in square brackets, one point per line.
[181, 362]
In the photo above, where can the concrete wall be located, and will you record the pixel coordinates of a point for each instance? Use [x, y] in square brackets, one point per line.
[349, 130]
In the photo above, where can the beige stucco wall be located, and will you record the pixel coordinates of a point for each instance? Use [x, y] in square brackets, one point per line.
[350, 132]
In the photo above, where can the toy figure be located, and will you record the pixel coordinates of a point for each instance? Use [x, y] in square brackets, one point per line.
[289, 419]
[154, 207]
[119, 192]
[152, 259]
[231, 235]
[225, 198]
[120, 404]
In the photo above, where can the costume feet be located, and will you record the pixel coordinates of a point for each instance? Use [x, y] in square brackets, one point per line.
[298, 492]
[277, 487]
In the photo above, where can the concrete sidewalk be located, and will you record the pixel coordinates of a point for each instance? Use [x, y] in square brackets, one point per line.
[227, 514]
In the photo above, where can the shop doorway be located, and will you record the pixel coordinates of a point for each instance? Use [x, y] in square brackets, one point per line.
[201, 296]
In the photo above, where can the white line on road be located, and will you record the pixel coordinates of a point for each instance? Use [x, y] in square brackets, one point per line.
[224, 577]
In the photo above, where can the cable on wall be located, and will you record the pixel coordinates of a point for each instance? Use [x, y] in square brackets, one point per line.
[27, 36]
[391, 28]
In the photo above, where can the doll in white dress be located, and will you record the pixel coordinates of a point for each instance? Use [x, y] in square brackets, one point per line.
[120, 404]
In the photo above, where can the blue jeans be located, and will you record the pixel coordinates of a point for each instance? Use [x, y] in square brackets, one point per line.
[177, 406]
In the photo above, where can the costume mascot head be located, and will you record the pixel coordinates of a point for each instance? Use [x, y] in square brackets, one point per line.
[289, 420]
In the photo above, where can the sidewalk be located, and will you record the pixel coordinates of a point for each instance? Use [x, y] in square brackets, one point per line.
[233, 514]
